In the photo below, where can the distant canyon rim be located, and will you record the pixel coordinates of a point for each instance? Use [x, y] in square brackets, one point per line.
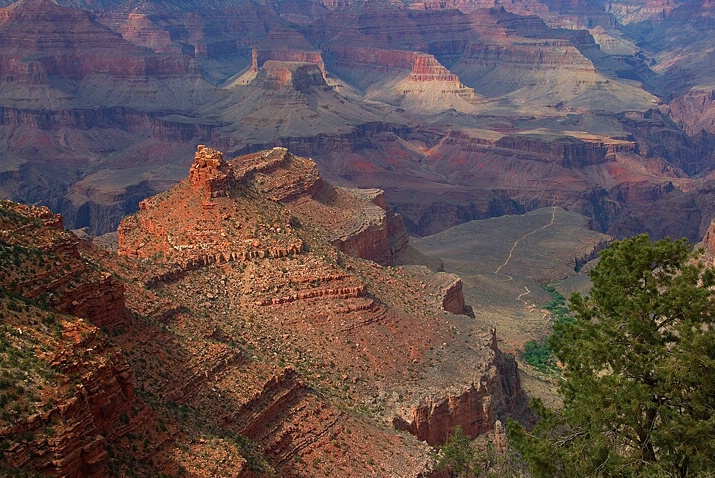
[458, 110]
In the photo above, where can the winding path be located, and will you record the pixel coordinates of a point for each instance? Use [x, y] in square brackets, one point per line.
[516, 243]
[511, 252]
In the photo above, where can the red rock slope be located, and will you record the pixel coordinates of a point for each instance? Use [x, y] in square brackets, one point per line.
[260, 337]
[64, 385]
[249, 241]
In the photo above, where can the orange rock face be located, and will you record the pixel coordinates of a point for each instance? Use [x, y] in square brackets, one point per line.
[84, 419]
[322, 303]
[427, 68]
[474, 408]
[209, 173]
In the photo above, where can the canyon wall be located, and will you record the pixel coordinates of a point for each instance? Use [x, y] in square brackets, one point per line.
[66, 282]
[65, 432]
[695, 110]
[474, 408]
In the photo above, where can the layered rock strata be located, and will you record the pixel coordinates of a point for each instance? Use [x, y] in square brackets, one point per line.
[377, 234]
[259, 57]
[323, 318]
[372, 232]
[54, 271]
[74, 384]
[70, 438]
[474, 408]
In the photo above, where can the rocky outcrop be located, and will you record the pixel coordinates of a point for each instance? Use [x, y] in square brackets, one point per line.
[374, 232]
[475, 408]
[429, 88]
[275, 75]
[427, 68]
[61, 278]
[452, 295]
[341, 292]
[221, 292]
[75, 384]
[377, 233]
[695, 110]
[209, 173]
[276, 393]
[279, 175]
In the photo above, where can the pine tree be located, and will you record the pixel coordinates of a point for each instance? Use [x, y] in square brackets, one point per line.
[638, 371]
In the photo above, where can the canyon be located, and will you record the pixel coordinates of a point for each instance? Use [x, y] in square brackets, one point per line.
[249, 328]
[317, 216]
[406, 97]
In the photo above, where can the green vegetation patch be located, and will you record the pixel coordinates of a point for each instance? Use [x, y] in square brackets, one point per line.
[638, 371]
[538, 353]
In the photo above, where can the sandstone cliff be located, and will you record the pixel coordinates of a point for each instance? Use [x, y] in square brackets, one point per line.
[474, 407]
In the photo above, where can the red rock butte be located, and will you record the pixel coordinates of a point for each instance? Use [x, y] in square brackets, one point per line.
[209, 173]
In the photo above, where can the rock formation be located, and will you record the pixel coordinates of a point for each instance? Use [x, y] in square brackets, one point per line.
[429, 88]
[251, 298]
[433, 418]
[241, 306]
[376, 234]
[57, 275]
[209, 173]
[65, 385]
[320, 303]
[70, 436]
[214, 234]
[695, 110]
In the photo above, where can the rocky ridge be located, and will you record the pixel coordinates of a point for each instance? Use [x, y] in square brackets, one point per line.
[326, 301]
[64, 384]
[252, 341]
[370, 231]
